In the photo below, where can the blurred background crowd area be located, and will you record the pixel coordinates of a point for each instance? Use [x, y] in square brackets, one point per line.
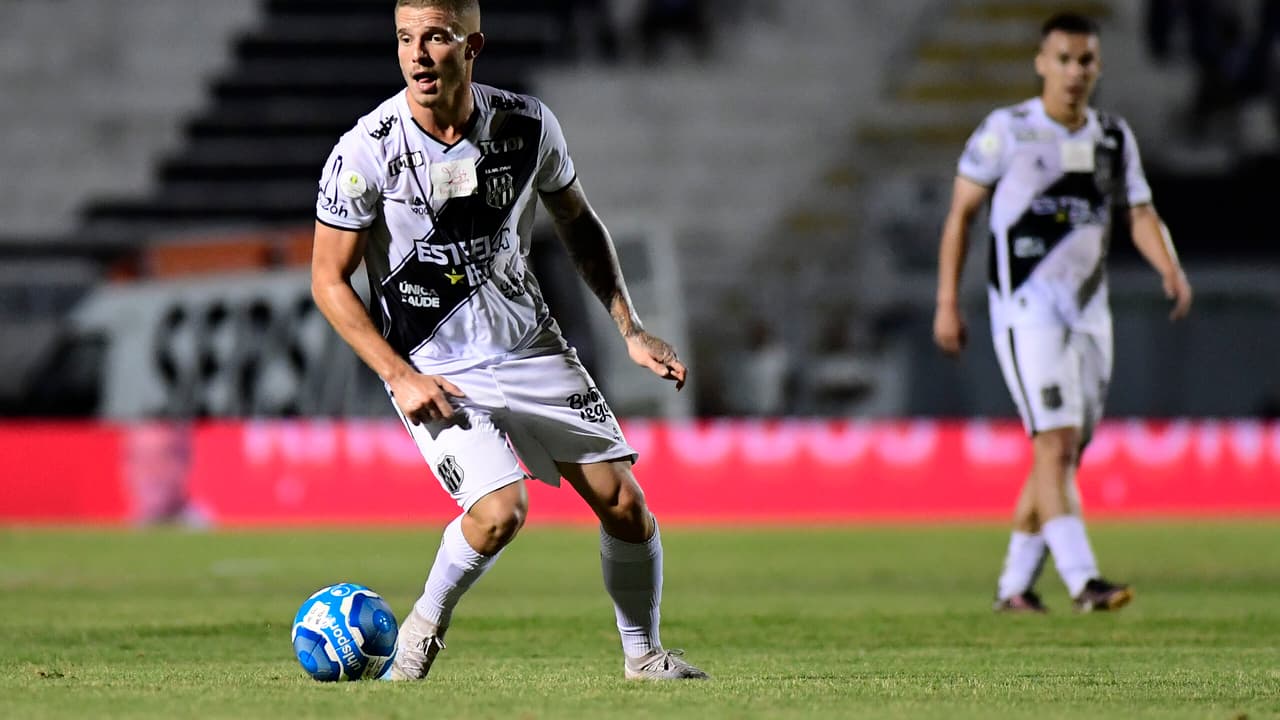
[775, 175]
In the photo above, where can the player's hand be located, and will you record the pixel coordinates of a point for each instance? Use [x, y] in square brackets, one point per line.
[657, 354]
[424, 398]
[949, 331]
[1178, 289]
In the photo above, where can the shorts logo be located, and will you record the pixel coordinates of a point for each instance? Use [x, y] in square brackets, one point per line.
[1051, 397]
[590, 406]
[450, 473]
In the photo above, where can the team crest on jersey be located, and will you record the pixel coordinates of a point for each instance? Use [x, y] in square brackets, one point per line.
[499, 190]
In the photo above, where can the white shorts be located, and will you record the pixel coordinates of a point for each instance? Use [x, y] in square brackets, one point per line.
[537, 410]
[1058, 377]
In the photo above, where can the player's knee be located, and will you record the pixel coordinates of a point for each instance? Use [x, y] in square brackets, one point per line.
[1059, 448]
[627, 516]
[1026, 519]
[631, 502]
[497, 524]
[498, 531]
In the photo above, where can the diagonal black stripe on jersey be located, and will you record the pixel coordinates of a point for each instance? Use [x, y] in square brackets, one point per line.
[455, 259]
[1074, 199]
[1111, 175]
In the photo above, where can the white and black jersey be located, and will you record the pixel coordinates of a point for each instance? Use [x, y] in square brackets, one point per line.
[449, 227]
[1054, 193]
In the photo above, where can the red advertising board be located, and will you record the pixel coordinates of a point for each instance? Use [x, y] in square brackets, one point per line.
[303, 472]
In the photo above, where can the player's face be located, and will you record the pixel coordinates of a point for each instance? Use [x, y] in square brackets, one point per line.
[435, 51]
[1070, 64]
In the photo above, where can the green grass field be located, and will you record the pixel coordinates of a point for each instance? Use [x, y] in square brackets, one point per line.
[793, 623]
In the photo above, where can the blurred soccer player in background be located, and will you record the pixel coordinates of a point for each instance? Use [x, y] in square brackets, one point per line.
[156, 465]
[435, 191]
[1056, 172]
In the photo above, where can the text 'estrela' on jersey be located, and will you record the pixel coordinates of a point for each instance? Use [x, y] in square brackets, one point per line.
[449, 226]
[1053, 195]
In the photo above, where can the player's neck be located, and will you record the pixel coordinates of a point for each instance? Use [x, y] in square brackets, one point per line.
[447, 122]
[1072, 117]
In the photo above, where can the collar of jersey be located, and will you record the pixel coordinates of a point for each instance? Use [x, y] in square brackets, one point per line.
[1090, 118]
[466, 133]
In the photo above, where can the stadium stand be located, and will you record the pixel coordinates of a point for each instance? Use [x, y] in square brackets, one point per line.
[779, 199]
[297, 82]
[232, 188]
[976, 55]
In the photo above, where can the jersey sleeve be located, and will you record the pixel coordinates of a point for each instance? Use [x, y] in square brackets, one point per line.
[555, 167]
[1137, 191]
[985, 153]
[350, 187]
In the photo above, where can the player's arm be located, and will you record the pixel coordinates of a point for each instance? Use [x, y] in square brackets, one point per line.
[1152, 239]
[334, 257]
[967, 197]
[591, 249]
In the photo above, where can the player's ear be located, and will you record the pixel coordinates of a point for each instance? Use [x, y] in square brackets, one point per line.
[475, 43]
[1040, 61]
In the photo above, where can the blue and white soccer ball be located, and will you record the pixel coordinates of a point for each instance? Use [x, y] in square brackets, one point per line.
[344, 632]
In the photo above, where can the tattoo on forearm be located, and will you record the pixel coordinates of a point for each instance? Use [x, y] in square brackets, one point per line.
[593, 255]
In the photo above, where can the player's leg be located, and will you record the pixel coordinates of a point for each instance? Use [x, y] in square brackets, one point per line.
[1057, 376]
[1044, 373]
[1026, 551]
[474, 464]
[630, 549]
[561, 425]
[631, 561]
[1053, 473]
[468, 548]
[1095, 355]
[1024, 559]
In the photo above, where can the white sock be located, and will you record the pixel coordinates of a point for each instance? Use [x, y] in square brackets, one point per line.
[1022, 564]
[1071, 552]
[458, 566]
[633, 578]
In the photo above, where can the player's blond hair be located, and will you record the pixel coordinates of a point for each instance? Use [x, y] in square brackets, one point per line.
[460, 10]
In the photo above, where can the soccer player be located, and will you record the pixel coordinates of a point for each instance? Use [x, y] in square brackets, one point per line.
[1056, 172]
[435, 191]
[156, 466]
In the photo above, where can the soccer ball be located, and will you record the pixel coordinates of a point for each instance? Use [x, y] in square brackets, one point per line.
[344, 632]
